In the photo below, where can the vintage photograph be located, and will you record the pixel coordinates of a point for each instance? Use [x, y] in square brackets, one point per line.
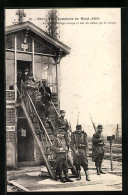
[63, 99]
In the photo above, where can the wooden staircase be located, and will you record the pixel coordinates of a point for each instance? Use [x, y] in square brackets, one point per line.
[43, 132]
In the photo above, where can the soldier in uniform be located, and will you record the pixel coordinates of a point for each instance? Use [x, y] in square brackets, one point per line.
[25, 74]
[46, 97]
[79, 146]
[60, 149]
[62, 122]
[98, 149]
[30, 88]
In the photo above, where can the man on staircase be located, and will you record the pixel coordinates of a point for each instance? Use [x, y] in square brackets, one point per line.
[60, 150]
[79, 146]
[46, 97]
[62, 122]
[30, 89]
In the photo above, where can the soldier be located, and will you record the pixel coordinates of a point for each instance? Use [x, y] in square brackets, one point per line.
[29, 86]
[79, 146]
[98, 149]
[62, 122]
[25, 75]
[60, 150]
[46, 97]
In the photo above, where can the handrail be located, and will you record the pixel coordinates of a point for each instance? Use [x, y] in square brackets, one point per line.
[37, 140]
[55, 108]
[39, 118]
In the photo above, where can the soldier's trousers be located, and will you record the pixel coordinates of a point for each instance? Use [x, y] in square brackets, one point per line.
[78, 168]
[98, 160]
[62, 165]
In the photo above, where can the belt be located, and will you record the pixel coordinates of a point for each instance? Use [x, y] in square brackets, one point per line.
[81, 147]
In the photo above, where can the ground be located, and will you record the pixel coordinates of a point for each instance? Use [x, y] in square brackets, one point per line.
[28, 179]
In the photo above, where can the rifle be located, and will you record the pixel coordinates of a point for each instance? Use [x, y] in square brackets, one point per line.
[93, 123]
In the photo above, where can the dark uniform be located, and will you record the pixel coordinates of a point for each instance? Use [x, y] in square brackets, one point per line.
[60, 150]
[46, 97]
[62, 122]
[98, 149]
[79, 146]
[30, 88]
[25, 75]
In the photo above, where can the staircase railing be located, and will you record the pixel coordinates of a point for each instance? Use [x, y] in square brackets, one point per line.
[32, 127]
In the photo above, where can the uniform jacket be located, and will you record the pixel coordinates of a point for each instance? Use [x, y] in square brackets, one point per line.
[96, 141]
[97, 147]
[79, 142]
[46, 93]
[63, 123]
[60, 148]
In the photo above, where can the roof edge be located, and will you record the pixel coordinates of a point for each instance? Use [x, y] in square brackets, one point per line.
[39, 31]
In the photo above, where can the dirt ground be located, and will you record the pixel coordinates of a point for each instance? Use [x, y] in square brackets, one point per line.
[106, 165]
[117, 170]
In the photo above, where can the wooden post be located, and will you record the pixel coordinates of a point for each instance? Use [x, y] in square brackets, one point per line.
[33, 65]
[111, 158]
[15, 87]
[117, 134]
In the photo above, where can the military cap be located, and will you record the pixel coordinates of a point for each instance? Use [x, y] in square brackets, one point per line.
[62, 111]
[43, 80]
[99, 127]
[78, 127]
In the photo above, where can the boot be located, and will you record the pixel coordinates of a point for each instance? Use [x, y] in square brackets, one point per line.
[87, 175]
[67, 177]
[79, 175]
[55, 175]
[61, 178]
[100, 167]
[98, 170]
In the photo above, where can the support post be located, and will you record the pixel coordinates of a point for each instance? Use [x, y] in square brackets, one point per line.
[33, 65]
[111, 158]
[15, 68]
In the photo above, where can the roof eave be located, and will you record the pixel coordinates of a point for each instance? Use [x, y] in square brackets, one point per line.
[38, 31]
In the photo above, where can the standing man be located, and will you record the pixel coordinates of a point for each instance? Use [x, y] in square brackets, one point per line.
[46, 97]
[30, 88]
[98, 149]
[25, 74]
[62, 122]
[60, 150]
[79, 146]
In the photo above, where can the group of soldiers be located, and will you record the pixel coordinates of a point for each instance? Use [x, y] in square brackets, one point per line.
[79, 146]
[78, 141]
[39, 92]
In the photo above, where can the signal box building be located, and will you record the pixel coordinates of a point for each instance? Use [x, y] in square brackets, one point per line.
[28, 46]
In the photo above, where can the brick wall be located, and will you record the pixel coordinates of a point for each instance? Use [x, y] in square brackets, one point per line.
[11, 148]
[10, 95]
[10, 116]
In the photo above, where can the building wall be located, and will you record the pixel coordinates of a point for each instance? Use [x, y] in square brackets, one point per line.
[10, 128]
[40, 63]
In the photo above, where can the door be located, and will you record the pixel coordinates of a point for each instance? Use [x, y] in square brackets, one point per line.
[25, 141]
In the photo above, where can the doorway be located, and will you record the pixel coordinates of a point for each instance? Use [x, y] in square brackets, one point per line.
[23, 67]
[25, 141]
[25, 138]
